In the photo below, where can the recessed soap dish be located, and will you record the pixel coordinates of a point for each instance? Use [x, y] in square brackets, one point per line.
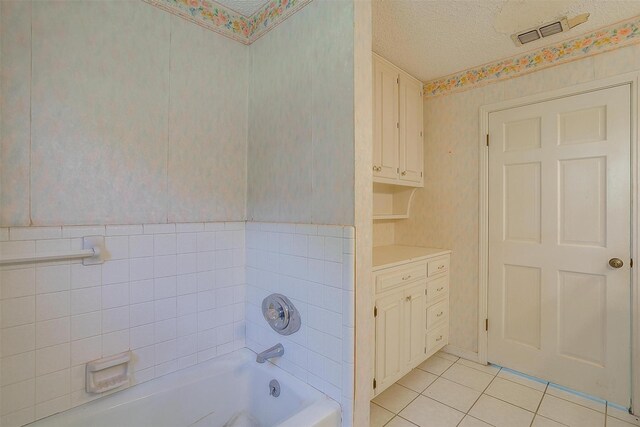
[108, 373]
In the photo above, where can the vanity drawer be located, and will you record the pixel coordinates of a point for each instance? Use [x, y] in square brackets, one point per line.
[437, 338]
[437, 288]
[437, 266]
[400, 276]
[437, 313]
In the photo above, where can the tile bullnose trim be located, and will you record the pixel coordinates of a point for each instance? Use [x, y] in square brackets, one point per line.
[618, 35]
[215, 17]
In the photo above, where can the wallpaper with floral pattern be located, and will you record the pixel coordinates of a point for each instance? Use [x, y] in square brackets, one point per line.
[605, 39]
[445, 212]
[220, 19]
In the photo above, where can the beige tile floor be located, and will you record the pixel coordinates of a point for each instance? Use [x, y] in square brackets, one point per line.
[446, 391]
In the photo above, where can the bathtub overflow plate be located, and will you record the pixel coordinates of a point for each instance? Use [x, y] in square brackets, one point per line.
[281, 314]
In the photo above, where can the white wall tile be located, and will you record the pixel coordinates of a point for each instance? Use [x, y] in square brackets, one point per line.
[83, 230]
[115, 319]
[123, 230]
[86, 300]
[117, 247]
[141, 336]
[86, 325]
[18, 282]
[53, 278]
[51, 386]
[165, 265]
[321, 353]
[141, 268]
[115, 342]
[85, 350]
[71, 313]
[115, 271]
[53, 305]
[142, 313]
[17, 368]
[35, 233]
[140, 246]
[186, 242]
[115, 295]
[164, 287]
[17, 396]
[52, 332]
[18, 339]
[192, 227]
[52, 359]
[85, 276]
[164, 244]
[17, 311]
[159, 228]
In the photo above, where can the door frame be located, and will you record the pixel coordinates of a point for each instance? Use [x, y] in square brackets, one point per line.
[483, 268]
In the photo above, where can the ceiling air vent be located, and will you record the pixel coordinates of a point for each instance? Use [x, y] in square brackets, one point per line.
[550, 28]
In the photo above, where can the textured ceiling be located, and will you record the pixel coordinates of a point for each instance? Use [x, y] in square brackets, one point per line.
[434, 38]
[244, 7]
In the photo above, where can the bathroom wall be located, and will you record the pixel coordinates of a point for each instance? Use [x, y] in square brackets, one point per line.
[172, 293]
[119, 113]
[301, 129]
[384, 233]
[445, 213]
[313, 265]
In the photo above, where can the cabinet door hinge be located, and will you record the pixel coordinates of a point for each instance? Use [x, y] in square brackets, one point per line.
[374, 383]
[486, 324]
[425, 350]
[487, 140]
[631, 263]
[398, 125]
[420, 174]
[397, 80]
[420, 134]
[375, 311]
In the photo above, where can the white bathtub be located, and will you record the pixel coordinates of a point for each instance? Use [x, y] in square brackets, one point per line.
[229, 391]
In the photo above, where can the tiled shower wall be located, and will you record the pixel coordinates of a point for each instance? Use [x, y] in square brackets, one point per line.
[172, 293]
[313, 265]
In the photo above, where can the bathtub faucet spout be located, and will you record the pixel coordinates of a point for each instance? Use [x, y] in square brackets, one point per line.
[275, 351]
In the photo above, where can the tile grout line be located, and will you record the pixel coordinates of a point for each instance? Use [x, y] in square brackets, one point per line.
[419, 394]
[496, 375]
[481, 394]
[544, 393]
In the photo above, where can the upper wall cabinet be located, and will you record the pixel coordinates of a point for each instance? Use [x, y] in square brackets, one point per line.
[397, 131]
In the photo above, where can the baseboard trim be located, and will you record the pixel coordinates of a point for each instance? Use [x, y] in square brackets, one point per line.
[461, 352]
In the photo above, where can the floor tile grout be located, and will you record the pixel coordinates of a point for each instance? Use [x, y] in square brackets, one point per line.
[484, 392]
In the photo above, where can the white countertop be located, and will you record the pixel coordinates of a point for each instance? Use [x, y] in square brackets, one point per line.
[393, 255]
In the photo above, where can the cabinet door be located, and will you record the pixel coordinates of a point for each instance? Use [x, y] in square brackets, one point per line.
[389, 338]
[415, 301]
[411, 141]
[385, 118]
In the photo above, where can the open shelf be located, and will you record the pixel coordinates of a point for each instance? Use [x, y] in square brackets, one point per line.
[391, 201]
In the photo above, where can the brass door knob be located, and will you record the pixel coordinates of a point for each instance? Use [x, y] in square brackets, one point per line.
[616, 262]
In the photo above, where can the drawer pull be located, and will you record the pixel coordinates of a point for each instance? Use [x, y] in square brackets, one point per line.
[408, 298]
[439, 338]
[406, 277]
[440, 289]
[441, 266]
[440, 314]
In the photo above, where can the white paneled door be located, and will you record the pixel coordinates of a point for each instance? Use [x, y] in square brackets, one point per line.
[559, 241]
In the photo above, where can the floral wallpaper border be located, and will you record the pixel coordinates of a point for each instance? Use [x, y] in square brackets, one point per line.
[222, 20]
[599, 41]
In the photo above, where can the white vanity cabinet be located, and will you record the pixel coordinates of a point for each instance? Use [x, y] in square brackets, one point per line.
[398, 126]
[411, 309]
